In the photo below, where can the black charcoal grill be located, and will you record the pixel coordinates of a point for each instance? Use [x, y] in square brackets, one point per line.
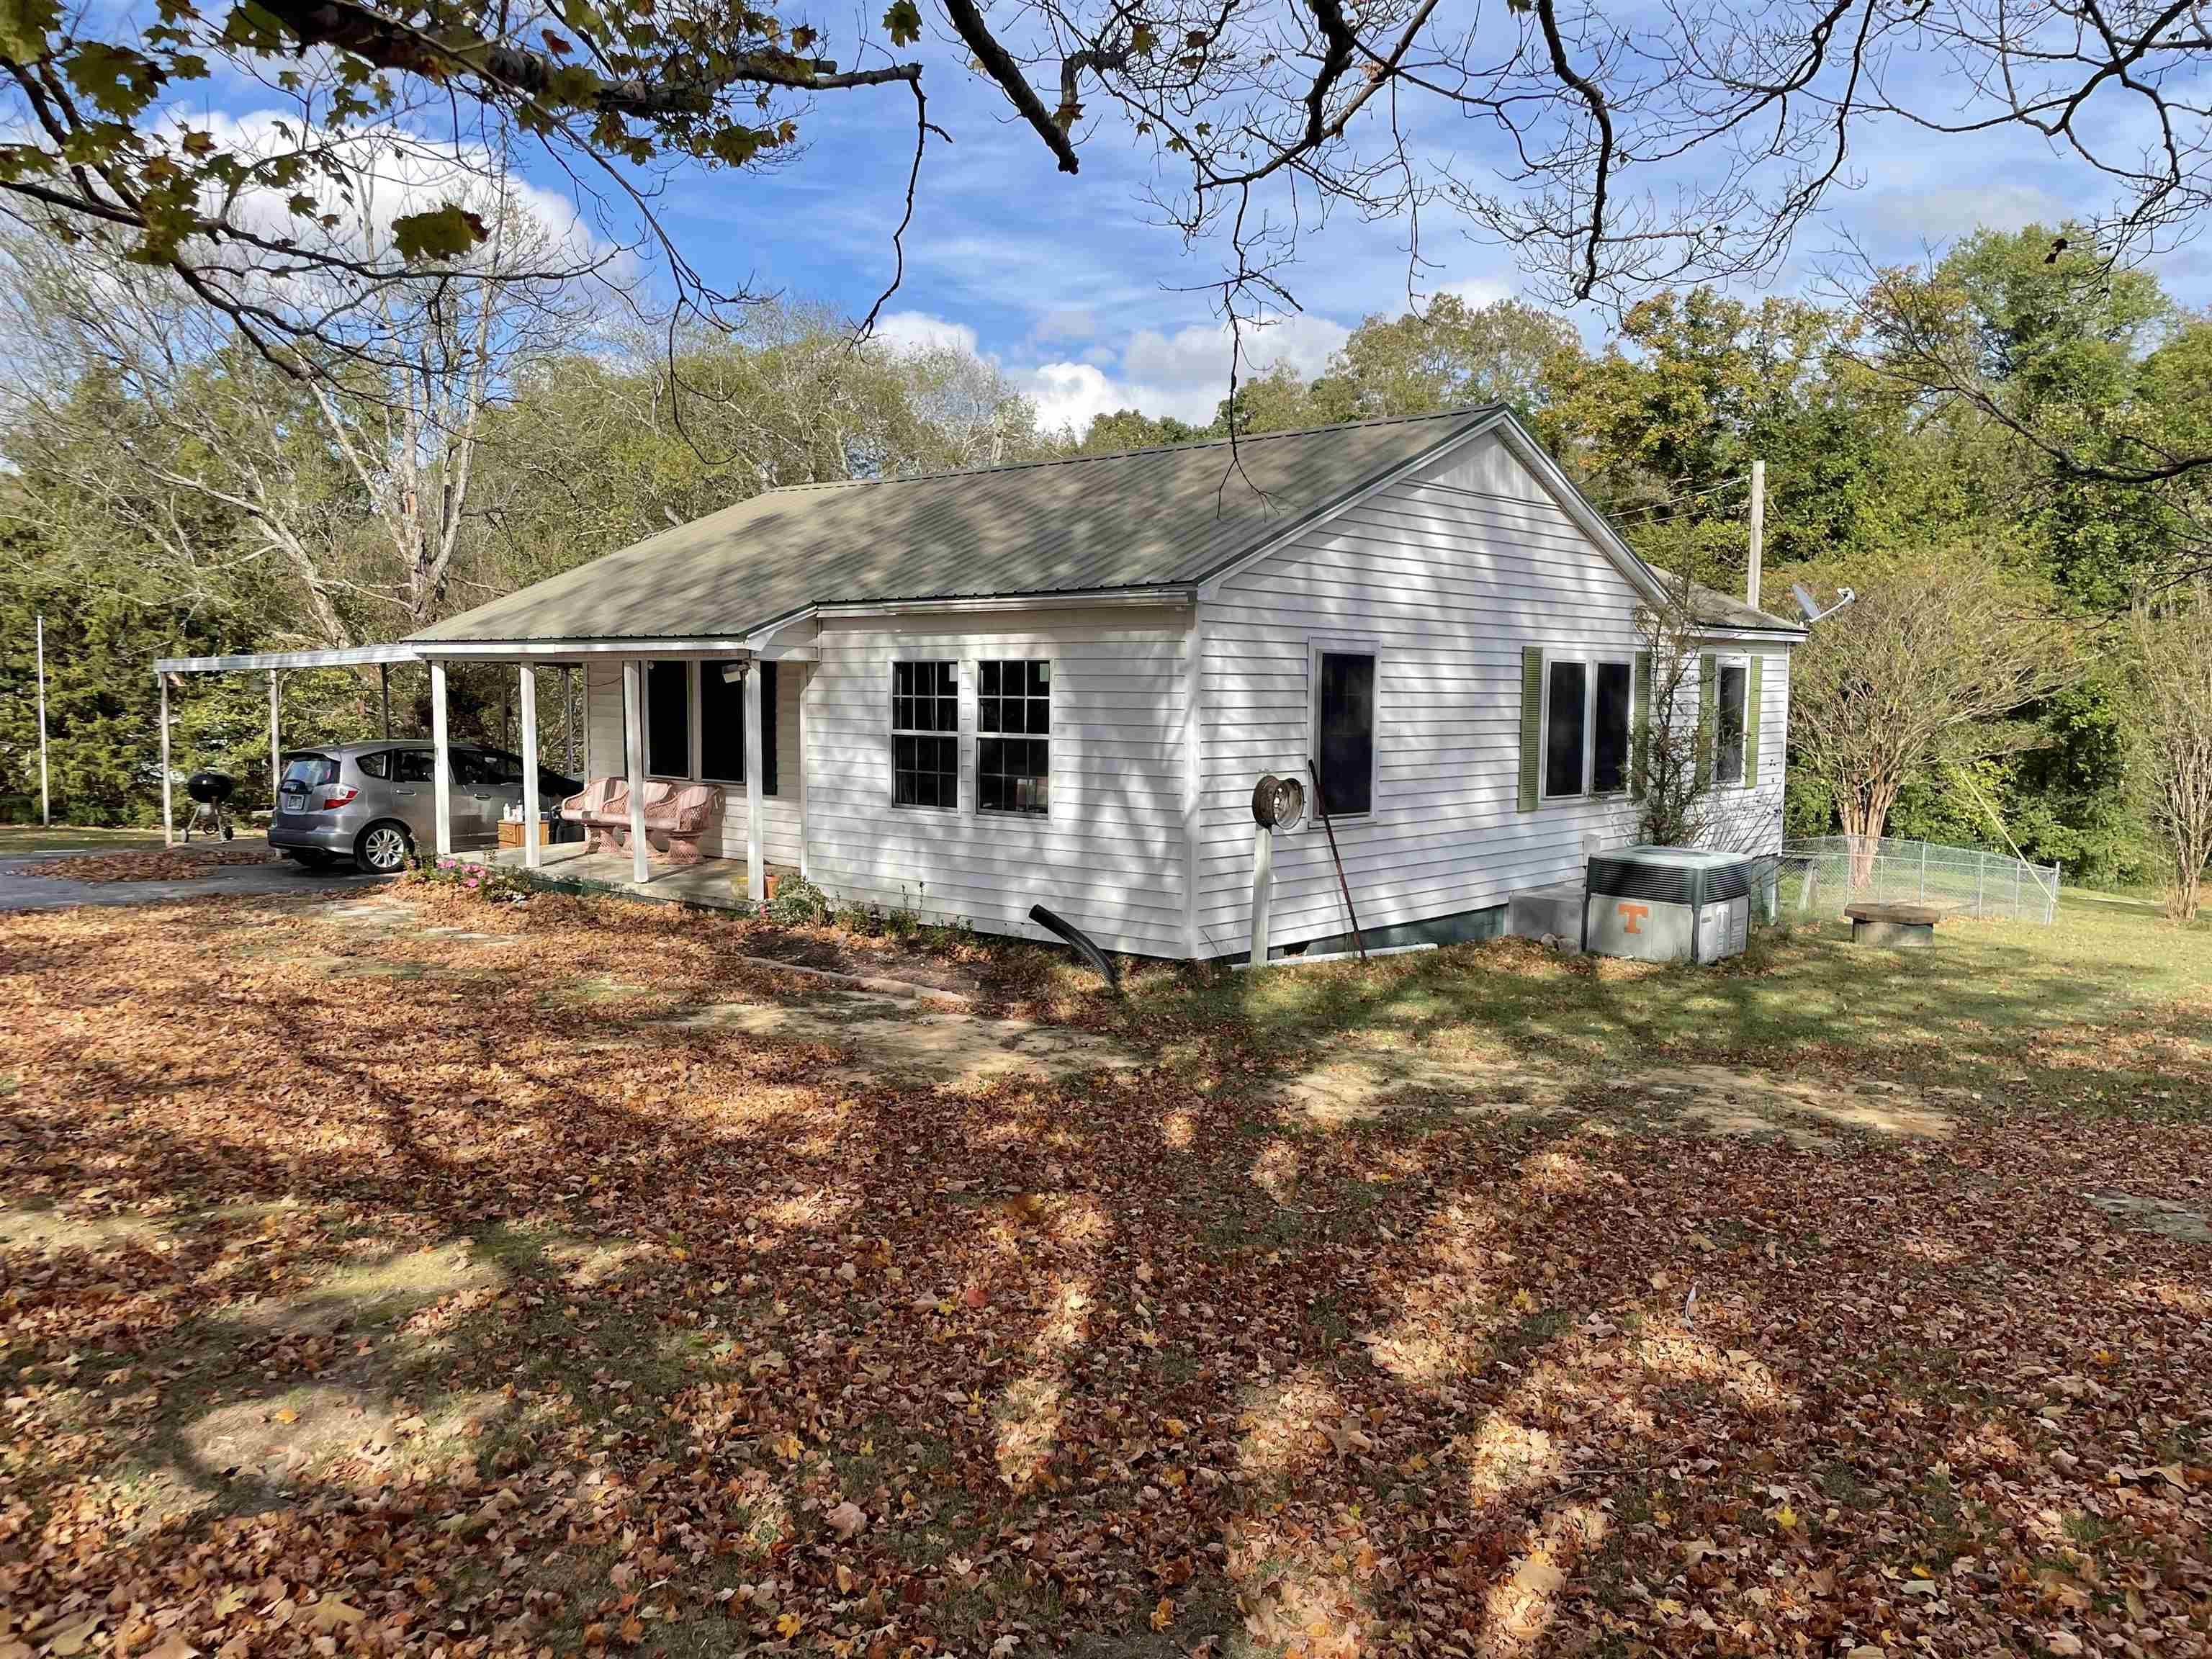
[210, 792]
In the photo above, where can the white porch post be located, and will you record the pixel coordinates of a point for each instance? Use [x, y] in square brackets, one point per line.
[530, 857]
[755, 872]
[634, 743]
[276, 757]
[441, 758]
[168, 815]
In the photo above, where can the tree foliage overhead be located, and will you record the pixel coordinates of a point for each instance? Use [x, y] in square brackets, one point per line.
[1635, 150]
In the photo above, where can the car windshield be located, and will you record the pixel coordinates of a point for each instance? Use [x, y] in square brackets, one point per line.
[310, 771]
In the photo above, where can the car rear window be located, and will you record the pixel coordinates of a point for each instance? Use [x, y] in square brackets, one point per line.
[310, 771]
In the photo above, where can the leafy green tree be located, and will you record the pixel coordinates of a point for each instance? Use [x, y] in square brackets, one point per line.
[1451, 355]
[1130, 428]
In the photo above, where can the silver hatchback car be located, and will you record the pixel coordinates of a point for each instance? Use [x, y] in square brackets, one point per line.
[373, 803]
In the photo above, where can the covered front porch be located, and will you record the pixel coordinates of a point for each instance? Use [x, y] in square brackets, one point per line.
[718, 884]
[657, 715]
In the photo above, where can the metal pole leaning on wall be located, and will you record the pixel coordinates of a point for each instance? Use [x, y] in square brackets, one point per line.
[1320, 806]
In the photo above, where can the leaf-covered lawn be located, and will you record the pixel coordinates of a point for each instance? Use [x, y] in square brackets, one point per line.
[568, 1288]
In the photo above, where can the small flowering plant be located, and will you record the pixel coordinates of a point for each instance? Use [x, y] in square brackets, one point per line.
[491, 881]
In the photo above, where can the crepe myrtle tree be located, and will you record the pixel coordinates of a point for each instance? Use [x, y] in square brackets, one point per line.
[1652, 146]
[1937, 662]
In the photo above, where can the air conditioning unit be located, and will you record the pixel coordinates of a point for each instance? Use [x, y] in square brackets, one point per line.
[1670, 903]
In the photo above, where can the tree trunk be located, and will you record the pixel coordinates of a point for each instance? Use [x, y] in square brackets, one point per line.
[1864, 811]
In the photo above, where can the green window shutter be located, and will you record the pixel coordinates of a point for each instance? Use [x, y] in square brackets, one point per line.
[1708, 691]
[1639, 703]
[1751, 725]
[1532, 723]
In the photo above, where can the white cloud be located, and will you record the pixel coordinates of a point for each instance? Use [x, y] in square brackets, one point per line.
[1184, 374]
[1074, 394]
[1943, 215]
[1479, 291]
[387, 174]
[918, 330]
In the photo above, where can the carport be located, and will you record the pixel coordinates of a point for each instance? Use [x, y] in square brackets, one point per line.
[169, 671]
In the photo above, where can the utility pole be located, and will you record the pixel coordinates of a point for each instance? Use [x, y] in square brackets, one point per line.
[1757, 532]
[46, 795]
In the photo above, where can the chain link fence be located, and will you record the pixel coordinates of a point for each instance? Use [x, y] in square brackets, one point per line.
[1830, 872]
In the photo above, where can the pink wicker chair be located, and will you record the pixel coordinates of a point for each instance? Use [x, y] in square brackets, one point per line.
[679, 818]
[604, 811]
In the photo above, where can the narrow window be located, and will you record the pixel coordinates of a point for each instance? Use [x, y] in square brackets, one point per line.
[668, 720]
[1013, 747]
[722, 722]
[925, 740]
[1564, 720]
[1728, 749]
[1344, 723]
[375, 766]
[1609, 738]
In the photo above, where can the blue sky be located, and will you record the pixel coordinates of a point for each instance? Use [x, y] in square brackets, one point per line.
[1068, 285]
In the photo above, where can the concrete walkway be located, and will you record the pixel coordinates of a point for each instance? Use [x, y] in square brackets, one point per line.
[21, 892]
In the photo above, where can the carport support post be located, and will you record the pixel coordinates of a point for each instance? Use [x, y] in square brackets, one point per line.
[276, 756]
[755, 872]
[530, 858]
[442, 759]
[384, 686]
[168, 816]
[634, 746]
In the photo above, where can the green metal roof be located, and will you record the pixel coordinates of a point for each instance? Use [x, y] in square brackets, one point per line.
[1142, 518]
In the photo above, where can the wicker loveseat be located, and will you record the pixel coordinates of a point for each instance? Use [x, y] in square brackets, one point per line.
[678, 818]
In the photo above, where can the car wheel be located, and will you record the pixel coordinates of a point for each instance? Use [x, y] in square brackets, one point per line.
[383, 849]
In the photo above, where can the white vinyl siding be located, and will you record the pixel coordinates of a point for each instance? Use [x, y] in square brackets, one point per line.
[1446, 578]
[1109, 856]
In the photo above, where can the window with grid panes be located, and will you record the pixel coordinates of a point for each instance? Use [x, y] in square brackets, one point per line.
[924, 734]
[1013, 724]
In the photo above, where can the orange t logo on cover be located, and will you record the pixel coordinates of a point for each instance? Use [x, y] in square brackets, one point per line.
[1633, 915]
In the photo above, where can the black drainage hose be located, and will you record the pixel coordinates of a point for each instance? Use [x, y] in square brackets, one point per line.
[1081, 940]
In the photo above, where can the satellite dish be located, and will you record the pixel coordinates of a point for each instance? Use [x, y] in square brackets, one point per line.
[1811, 606]
[1278, 803]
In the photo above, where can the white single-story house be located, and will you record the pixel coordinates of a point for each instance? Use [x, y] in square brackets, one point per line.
[1057, 683]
